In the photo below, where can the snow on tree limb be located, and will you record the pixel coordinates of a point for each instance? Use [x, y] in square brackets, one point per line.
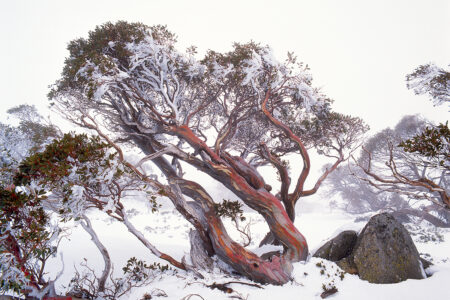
[433, 80]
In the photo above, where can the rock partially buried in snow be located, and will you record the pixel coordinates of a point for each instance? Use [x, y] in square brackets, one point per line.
[338, 247]
[385, 252]
[382, 253]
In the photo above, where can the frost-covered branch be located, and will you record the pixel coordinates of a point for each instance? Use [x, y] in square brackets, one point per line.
[433, 80]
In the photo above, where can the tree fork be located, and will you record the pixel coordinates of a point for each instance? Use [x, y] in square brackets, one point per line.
[260, 200]
[244, 262]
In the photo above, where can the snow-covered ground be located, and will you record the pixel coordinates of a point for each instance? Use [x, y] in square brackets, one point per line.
[167, 230]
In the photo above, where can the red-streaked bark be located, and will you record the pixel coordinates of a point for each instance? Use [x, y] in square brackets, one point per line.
[245, 170]
[303, 152]
[276, 271]
[13, 247]
[259, 199]
[284, 178]
[243, 261]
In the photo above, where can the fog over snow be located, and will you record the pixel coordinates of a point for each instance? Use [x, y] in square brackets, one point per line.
[359, 51]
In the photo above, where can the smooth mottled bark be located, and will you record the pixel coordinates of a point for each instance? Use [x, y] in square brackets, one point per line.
[87, 226]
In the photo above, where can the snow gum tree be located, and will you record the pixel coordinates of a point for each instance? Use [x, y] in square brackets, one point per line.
[226, 115]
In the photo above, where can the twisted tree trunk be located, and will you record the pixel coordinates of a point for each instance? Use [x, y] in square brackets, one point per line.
[210, 227]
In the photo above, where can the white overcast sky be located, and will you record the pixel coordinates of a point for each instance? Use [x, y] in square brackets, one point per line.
[359, 51]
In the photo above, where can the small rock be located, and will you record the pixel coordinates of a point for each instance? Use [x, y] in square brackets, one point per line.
[426, 263]
[338, 247]
[329, 292]
[347, 265]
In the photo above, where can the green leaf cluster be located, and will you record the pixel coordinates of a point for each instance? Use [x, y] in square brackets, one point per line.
[59, 157]
[24, 232]
[229, 209]
[432, 143]
[139, 270]
[106, 48]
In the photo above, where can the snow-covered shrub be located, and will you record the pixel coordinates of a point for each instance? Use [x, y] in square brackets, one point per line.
[136, 273]
[27, 240]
